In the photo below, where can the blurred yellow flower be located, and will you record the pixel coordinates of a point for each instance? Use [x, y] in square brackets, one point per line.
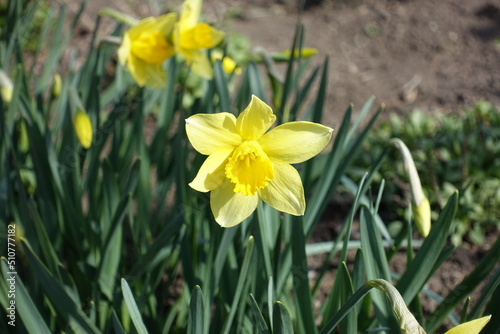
[56, 85]
[470, 327]
[228, 65]
[246, 164]
[191, 38]
[83, 128]
[145, 47]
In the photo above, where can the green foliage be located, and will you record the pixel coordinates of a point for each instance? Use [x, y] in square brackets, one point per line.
[452, 152]
[113, 240]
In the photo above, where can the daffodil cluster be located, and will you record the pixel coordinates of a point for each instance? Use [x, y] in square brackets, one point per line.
[247, 163]
[150, 42]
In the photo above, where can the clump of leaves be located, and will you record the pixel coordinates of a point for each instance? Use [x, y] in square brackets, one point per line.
[459, 151]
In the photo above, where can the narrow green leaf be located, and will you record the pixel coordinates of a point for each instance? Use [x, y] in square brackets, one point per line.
[419, 269]
[239, 286]
[195, 319]
[59, 298]
[259, 318]
[28, 312]
[222, 87]
[300, 276]
[132, 308]
[281, 320]
[468, 284]
[376, 265]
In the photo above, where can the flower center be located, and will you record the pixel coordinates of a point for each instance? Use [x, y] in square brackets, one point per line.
[249, 168]
[153, 48]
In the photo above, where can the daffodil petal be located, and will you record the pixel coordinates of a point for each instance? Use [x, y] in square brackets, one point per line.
[153, 75]
[209, 133]
[124, 49]
[470, 327]
[230, 208]
[190, 13]
[164, 24]
[295, 142]
[254, 121]
[200, 64]
[285, 191]
[211, 174]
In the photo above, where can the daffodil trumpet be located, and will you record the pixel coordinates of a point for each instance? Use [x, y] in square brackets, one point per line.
[247, 163]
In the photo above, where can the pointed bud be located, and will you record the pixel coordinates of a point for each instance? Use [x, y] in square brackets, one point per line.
[83, 128]
[406, 320]
[56, 85]
[421, 210]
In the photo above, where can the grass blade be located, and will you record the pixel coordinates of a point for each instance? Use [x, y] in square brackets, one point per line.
[133, 310]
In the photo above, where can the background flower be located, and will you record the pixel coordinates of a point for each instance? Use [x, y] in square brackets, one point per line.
[191, 38]
[145, 47]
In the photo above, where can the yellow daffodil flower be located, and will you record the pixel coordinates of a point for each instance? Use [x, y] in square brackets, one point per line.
[246, 164]
[228, 65]
[191, 38]
[145, 47]
[83, 128]
[470, 327]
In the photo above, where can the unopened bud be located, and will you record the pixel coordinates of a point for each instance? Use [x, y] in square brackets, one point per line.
[56, 85]
[83, 128]
[6, 87]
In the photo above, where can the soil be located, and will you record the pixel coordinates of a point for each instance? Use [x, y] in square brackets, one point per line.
[432, 55]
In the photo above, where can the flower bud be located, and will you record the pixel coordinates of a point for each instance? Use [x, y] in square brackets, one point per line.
[56, 85]
[421, 210]
[83, 128]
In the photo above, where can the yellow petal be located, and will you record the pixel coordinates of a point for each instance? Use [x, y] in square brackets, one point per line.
[145, 74]
[163, 24]
[296, 142]
[211, 173]
[124, 49]
[201, 36]
[200, 64]
[228, 65]
[254, 121]
[230, 208]
[470, 327]
[190, 13]
[83, 128]
[209, 133]
[285, 192]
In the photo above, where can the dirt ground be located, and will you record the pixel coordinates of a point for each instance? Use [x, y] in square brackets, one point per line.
[433, 55]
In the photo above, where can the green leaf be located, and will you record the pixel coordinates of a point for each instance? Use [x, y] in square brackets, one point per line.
[468, 284]
[259, 318]
[195, 319]
[239, 286]
[28, 312]
[132, 308]
[421, 267]
[281, 319]
[300, 277]
[59, 298]
[376, 265]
